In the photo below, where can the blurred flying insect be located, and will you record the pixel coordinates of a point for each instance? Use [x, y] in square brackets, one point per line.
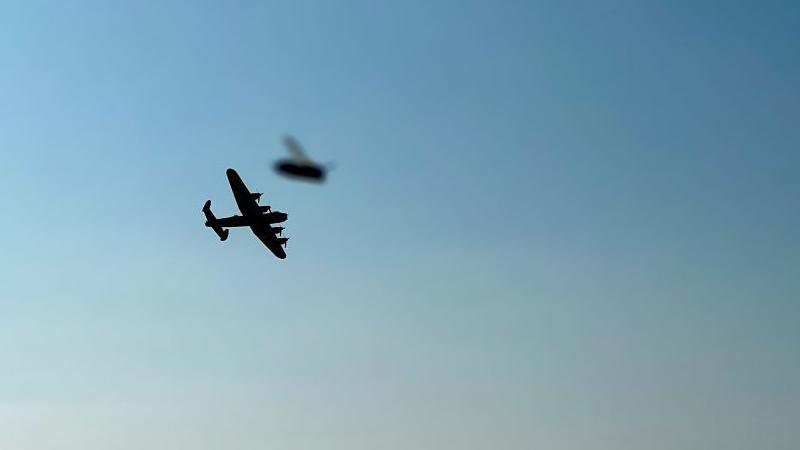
[299, 165]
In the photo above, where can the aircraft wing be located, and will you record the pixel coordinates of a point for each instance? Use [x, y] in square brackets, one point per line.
[242, 195]
[295, 149]
[267, 236]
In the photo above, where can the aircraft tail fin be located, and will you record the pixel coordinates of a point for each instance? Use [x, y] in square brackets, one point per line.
[211, 222]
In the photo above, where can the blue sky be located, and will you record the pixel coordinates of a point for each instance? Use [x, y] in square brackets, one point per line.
[561, 225]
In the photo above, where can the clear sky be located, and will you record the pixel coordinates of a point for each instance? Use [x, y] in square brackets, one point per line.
[553, 225]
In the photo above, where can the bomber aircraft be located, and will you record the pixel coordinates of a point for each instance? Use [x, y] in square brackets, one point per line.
[258, 218]
[299, 165]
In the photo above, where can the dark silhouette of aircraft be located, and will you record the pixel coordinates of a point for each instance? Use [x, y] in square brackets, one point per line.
[300, 166]
[258, 218]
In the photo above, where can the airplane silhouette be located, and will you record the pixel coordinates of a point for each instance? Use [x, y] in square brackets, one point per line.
[300, 166]
[258, 218]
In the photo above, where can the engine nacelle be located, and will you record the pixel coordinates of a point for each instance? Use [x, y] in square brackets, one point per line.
[265, 209]
[256, 195]
[276, 217]
[278, 230]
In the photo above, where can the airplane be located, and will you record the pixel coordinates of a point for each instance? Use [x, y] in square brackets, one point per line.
[258, 218]
[300, 166]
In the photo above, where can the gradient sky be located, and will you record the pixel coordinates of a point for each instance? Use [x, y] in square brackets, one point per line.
[552, 225]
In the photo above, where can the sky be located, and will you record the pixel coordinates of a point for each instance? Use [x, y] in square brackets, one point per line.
[559, 225]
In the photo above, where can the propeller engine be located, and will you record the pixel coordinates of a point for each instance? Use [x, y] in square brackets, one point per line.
[257, 196]
[275, 217]
[278, 230]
